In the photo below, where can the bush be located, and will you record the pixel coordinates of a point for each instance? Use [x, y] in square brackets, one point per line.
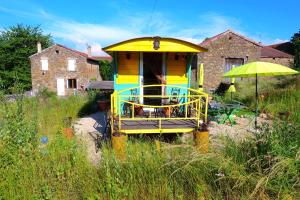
[106, 70]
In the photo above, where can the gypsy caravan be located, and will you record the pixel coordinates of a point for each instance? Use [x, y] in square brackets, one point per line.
[152, 87]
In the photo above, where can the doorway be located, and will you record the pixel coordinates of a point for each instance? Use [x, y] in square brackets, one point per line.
[60, 87]
[152, 75]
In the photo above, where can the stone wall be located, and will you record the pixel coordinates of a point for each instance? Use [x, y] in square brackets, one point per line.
[282, 61]
[58, 68]
[228, 46]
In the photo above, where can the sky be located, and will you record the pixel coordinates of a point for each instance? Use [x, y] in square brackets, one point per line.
[99, 23]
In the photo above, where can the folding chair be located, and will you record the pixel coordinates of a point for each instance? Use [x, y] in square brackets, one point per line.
[134, 98]
[174, 99]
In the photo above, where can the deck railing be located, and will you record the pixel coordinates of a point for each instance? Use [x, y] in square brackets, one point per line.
[191, 106]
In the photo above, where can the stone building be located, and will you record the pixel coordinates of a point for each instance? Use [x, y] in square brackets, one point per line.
[269, 54]
[224, 50]
[231, 48]
[63, 70]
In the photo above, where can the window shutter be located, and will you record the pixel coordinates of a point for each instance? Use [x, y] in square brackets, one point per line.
[71, 64]
[44, 64]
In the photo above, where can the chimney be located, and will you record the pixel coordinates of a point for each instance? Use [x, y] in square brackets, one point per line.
[89, 50]
[39, 47]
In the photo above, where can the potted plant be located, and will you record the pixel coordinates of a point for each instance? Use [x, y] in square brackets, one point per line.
[103, 102]
[68, 130]
[103, 105]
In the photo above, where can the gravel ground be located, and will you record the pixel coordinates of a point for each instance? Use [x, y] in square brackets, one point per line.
[89, 128]
[243, 128]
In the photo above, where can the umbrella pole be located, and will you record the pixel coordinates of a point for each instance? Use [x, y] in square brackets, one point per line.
[256, 95]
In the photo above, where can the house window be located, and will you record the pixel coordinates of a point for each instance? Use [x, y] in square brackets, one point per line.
[71, 64]
[44, 64]
[72, 83]
[229, 62]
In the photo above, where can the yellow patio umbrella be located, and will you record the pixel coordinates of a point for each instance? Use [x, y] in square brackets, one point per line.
[201, 78]
[231, 88]
[255, 69]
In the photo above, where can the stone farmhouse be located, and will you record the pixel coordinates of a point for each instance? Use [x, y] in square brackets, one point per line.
[230, 48]
[63, 70]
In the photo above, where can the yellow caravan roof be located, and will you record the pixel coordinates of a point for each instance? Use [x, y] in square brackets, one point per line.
[145, 44]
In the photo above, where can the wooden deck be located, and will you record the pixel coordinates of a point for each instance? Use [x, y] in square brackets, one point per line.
[152, 126]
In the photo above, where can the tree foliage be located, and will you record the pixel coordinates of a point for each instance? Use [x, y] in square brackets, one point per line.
[296, 44]
[106, 70]
[17, 43]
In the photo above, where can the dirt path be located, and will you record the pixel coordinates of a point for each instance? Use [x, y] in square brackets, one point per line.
[87, 130]
[244, 128]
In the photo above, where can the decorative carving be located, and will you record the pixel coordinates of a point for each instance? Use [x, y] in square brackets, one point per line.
[156, 43]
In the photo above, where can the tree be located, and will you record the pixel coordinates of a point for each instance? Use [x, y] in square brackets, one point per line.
[296, 45]
[106, 70]
[17, 43]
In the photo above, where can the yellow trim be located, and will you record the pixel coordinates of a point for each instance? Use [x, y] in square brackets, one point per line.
[145, 44]
[198, 103]
[153, 131]
[160, 85]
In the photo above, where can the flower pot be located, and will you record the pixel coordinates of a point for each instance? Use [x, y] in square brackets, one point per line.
[103, 105]
[68, 132]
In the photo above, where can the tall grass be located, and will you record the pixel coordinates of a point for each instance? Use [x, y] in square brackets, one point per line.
[265, 166]
[32, 170]
[275, 95]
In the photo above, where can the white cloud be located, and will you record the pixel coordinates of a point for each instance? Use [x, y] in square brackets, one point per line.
[86, 33]
[208, 25]
[278, 40]
[136, 25]
[274, 41]
[266, 39]
[22, 13]
[97, 35]
[96, 49]
[83, 34]
[129, 25]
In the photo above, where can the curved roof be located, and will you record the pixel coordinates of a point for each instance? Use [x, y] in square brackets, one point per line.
[145, 44]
